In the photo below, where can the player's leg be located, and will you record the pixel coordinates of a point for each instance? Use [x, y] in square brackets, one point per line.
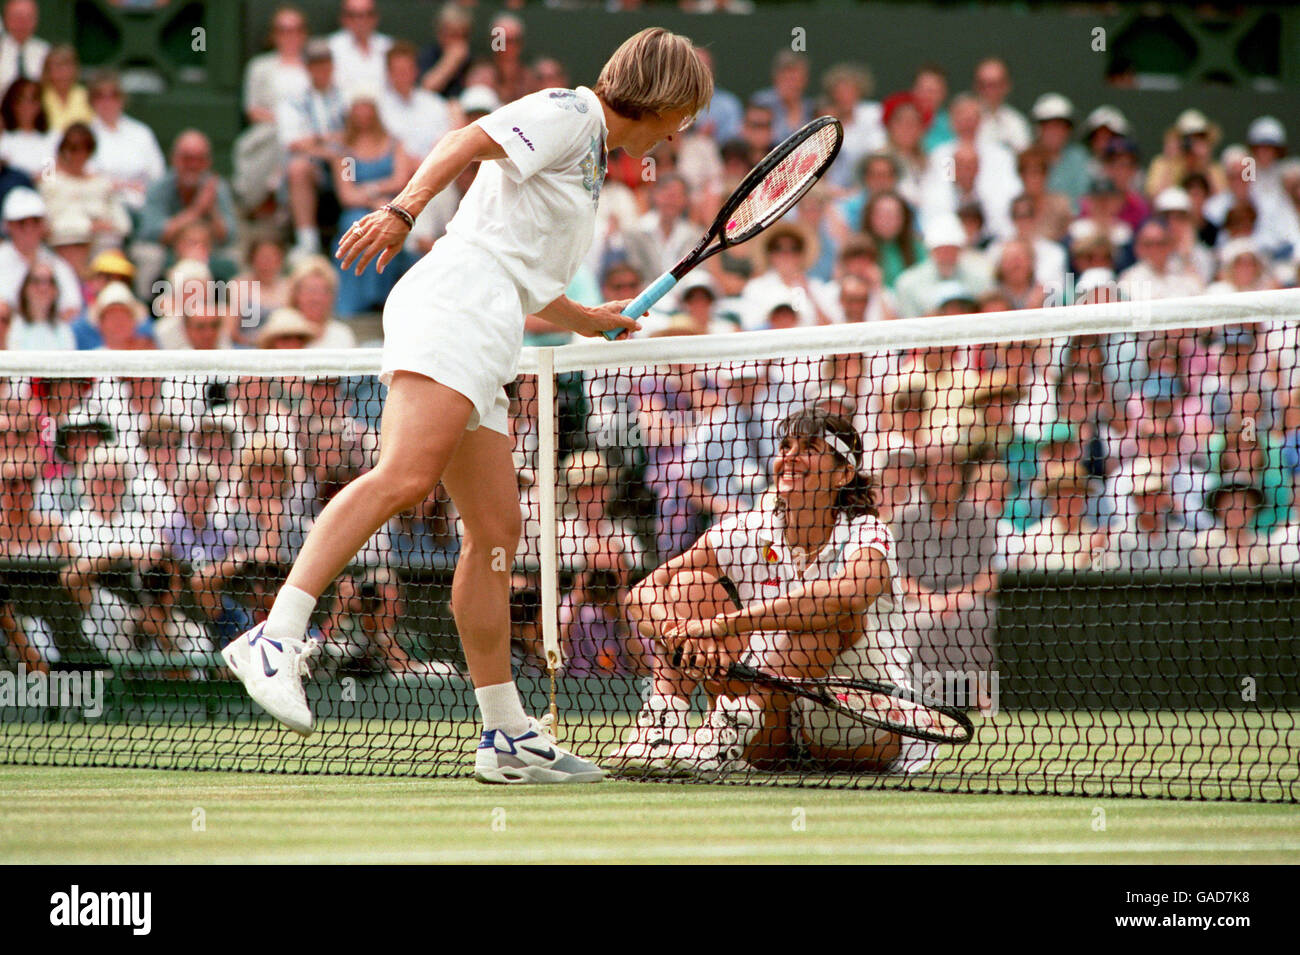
[483, 485]
[662, 725]
[423, 423]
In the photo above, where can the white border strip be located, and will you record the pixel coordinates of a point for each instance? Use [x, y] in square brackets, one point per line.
[593, 355]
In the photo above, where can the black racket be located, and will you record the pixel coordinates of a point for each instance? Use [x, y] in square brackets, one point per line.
[770, 190]
[880, 705]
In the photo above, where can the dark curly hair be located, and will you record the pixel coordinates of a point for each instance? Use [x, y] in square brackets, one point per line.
[856, 498]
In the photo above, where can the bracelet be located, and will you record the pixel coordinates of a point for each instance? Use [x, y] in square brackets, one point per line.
[401, 213]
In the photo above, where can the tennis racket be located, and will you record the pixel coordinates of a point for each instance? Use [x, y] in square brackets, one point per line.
[880, 705]
[769, 191]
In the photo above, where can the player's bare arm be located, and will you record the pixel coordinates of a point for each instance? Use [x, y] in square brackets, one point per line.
[381, 233]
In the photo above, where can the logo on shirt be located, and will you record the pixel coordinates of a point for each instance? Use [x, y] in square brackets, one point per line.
[527, 142]
[568, 99]
[593, 168]
[769, 554]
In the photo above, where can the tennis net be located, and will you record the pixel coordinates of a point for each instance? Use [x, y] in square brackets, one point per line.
[1086, 515]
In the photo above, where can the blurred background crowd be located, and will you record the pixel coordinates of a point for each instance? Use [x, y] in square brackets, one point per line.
[172, 505]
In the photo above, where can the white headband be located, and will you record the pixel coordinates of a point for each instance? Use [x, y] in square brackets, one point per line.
[839, 445]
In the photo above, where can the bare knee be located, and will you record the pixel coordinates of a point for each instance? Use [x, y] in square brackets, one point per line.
[403, 489]
[494, 538]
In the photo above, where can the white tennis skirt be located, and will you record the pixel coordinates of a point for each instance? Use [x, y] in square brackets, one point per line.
[456, 317]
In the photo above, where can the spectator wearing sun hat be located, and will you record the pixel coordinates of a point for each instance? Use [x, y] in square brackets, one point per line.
[25, 220]
[789, 250]
[1053, 117]
[117, 315]
[1189, 253]
[949, 259]
[1103, 124]
[286, 328]
[1189, 148]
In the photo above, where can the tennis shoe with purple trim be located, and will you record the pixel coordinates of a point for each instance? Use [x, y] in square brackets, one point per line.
[272, 672]
[532, 757]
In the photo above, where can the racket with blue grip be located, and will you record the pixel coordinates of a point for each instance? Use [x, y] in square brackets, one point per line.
[771, 189]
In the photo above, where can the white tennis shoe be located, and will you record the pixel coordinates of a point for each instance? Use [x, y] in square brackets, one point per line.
[531, 757]
[661, 729]
[272, 672]
[718, 747]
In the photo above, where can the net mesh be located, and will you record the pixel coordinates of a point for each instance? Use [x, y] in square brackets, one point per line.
[1079, 525]
[781, 188]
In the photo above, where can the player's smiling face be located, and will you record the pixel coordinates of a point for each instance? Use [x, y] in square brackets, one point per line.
[807, 468]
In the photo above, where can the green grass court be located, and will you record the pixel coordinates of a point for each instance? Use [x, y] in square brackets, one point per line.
[148, 816]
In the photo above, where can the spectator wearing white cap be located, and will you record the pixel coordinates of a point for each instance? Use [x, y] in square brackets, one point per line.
[1002, 124]
[1102, 125]
[417, 117]
[1189, 253]
[359, 49]
[1242, 268]
[1266, 138]
[945, 239]
[25, 220]
[1053, 115]
[117, 315]
[1188, 147]
[70, 236]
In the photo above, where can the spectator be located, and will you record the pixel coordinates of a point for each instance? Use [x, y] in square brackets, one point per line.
[313, 288]
[27, 534]
[787, 254]
[1104, 125]
[286, 328]
[191, 315]
[117, 316]
[1156, 274]
[972, 168]
[594, 633]
[197, 533]
[37, 324]
[373, 172]
[1100, 221]
[587, 485]
[1001, 123]
[445, 61]
[929, 91]
[1233, 541]
[1054, 116]
[108, 537]
[948, 261]
[512, 80]
[1266, 138]
[787, 97]
[358, 49]
[1065, 539]
[1048, 258]
[859, 292]
[663, 235]
[1015, 275]
[417, 117]
[22, 52]
[260, 288]
[1188, 254]
[946, 548]
[280, 74]
[1052, 212]
[75, 187]
[887, 221]
[361, 634]
[728, 453]
[425, 538]
[1239, 173]
[904, 131]
[28, 143]
[1280, 231]
[1122, 167]
[189, 193]
[1154, 535]
[126, 150]
[1189, 148]
[65, 100]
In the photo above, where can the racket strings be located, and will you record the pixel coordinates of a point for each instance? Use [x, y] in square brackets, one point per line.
[899, 711]
[784, 185]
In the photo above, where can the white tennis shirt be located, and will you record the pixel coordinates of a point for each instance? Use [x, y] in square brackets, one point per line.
[535, 210]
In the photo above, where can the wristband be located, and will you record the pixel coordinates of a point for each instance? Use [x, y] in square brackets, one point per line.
[406, 217]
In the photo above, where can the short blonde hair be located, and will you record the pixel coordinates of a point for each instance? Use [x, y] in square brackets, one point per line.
[657, 72]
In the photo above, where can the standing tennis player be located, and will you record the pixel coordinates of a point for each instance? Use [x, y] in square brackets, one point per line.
[453, 329]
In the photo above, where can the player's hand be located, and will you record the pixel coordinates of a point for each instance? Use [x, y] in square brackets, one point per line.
[607, 318]
[378, 233]
[707, 657]
[712, 628]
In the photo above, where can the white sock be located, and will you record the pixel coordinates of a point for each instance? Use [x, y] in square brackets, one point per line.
[290, 614]
[502, 709]
[308, 238]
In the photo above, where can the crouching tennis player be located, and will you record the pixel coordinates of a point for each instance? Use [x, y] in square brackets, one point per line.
[453, 329]
[813, 568]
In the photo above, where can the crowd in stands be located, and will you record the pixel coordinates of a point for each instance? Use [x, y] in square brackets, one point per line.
[173, 505]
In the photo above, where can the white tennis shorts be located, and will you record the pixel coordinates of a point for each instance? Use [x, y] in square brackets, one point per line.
[456, 317]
